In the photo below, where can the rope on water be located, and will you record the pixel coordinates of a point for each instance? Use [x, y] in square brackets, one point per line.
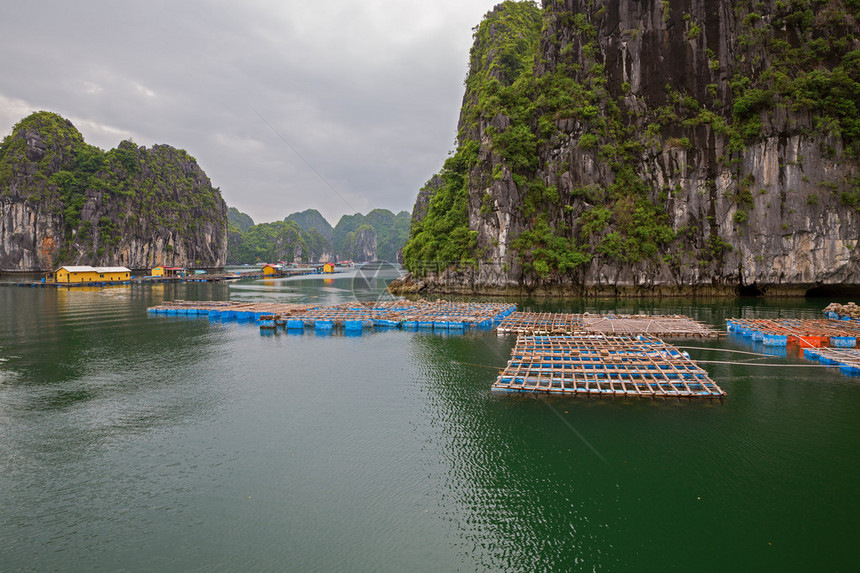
[474, 364]
[728, 363]
[759, 365]
[726, 350]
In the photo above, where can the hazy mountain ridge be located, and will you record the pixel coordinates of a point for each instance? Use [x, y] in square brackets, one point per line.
[307, 237]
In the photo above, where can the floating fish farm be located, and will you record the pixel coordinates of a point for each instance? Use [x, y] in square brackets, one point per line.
[603, 365]
[551, 323]
[352, 317]
[540, 323]
[847, 360]
[805, 333]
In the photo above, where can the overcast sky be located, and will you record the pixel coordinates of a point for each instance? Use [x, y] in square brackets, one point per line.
[366, 91]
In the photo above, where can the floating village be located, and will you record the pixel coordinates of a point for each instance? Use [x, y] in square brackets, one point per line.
[555, 353]
[573, 354]
[85, 275]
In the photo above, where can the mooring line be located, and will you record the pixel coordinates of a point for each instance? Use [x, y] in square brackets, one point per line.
[725, 350]
[474, 364]
[574, 430]
[763, 365]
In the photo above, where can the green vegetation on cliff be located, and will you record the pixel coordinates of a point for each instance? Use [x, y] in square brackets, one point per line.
[272, 242]
[309, 238]
[312, 219]
[555, 140]
[391, 233]
[242, 221]
[102, 203]
[497, 60]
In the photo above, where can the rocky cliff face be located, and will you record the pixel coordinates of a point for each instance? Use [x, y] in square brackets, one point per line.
[65, 202]
[364, 244]
[645, 147]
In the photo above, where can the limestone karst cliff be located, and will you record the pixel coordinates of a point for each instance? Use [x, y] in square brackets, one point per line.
[651, 147]
[65, 202]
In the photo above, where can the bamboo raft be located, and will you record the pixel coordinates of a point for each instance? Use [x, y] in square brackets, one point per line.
[622, 324]
[603, 365]
[806, 333]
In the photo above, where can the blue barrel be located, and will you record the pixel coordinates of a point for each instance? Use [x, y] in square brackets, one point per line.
[293, 324]
[151, 310]
[324, 324]
[267, 323]
[775, 340]
[228, 314]
[353, 325]
[843, 341]
[245, 315]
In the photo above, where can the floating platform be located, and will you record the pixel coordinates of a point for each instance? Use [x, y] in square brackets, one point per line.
[624, 324]
[227, 309]
[847, 360]
[541, 323]
[353, 317]
[805, 333]
[604, 365]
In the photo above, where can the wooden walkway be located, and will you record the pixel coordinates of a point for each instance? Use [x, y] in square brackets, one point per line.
[604, 365]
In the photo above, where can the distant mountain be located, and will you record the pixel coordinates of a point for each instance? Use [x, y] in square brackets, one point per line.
[312, 219]
[278, 241]
[392, 231]
[241, 220]
[308, 237]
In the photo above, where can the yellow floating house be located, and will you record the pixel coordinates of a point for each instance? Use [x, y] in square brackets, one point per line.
[168, 272]
[87, 274]
[271, 270]
[328, 268]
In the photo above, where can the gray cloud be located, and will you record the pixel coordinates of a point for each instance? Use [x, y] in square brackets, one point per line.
[367, 92]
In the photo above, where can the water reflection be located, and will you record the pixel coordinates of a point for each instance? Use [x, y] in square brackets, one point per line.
[121, 433]
[524, 487]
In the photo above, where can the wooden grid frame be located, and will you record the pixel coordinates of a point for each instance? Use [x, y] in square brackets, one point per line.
[594, 364]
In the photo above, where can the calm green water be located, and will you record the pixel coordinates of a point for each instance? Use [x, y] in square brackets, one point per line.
[143, 443]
